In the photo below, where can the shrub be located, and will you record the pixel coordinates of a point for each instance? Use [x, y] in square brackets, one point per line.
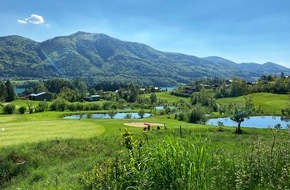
[79, 107]
[71, 107]
[94, 106]
[128, 116]
[89, 115]
[182, 116]
[42, 106]
[196, 115]
[112, 113]
[9, 109]
[22, 109]
[59, 105]
[141, 113]
[107, 105]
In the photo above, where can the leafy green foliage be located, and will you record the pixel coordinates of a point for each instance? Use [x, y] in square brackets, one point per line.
[141, 113]
[242, 111]
[3, 92]
[197, 115]
[10, 91]
[153, 98]
[178, 163]
[22, 109]
[59, 105]
[102, 58]
[42, 106]
[9, 109]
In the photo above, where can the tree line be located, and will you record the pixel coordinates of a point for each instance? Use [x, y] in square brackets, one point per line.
[7, 93]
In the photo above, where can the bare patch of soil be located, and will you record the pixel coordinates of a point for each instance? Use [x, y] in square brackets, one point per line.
[142, 124]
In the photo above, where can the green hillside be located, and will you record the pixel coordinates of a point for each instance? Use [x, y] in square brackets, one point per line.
[103, 58]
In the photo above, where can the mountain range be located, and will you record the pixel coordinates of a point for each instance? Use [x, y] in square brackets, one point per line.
[99, 57]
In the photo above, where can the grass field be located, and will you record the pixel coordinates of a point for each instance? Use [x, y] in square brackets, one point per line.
[35, 131]
[44, 151]
[269, 103]
[168, 97]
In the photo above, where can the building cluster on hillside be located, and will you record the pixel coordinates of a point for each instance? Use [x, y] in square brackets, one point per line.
[46, 96]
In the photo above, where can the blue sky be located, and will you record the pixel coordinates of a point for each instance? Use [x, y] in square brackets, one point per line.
[239, 30]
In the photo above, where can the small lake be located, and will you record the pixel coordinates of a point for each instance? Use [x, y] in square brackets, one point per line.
[163, 108]
[256, 121]
[18, 90]
[168, 88]
[107, 116]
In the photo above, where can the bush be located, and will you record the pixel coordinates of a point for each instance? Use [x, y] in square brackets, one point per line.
[107, 105]
[42, 106]
[182, 116]
[59, 105]
[141, 113]
[94, 106]
[9, 109]
[128, 116]
[22, 109]
[197, 115]
[79, 107]
[71, 107]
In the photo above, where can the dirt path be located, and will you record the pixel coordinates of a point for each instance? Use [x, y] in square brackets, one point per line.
[143, 124]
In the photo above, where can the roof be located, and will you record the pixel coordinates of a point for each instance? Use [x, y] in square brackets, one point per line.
[41, 93]
[95, 96]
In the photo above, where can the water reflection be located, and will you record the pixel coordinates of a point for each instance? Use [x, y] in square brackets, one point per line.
[256, 121]
[107, 116]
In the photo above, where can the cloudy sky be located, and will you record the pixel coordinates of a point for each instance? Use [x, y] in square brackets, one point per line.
[239, 30]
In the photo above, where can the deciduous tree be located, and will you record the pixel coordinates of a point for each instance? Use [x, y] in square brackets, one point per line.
[241, 112]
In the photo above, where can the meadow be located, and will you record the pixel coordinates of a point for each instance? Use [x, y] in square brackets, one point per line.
[267, 102]
[44, 151]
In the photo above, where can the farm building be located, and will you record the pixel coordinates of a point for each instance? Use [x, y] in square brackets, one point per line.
[43, 96]
[93, 98]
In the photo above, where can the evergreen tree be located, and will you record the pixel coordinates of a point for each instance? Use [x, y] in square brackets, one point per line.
[153, 98]
[3, 92]
[10, 91]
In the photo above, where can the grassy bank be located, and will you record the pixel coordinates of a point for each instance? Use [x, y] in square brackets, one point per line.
[267, 102]
[198, 157]
[44, 151]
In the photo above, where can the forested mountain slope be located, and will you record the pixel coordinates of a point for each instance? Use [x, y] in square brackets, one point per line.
[102, 58]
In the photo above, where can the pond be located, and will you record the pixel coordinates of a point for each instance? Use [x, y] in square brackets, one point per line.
[168, 88]
[163, 108]
[256, 121]
[107, 116]
[18, 90]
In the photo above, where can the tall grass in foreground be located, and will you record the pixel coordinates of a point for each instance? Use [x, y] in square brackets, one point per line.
[178, 163]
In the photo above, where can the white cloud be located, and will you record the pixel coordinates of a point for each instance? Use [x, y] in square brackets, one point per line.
[22, 21]
[33, 19]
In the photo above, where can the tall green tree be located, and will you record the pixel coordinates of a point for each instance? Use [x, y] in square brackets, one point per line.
[153, 98]
[40, 87]
[134, 94]
[3, 92]
[81, 87]
[238, 87]
[10, 91]
[68, 94]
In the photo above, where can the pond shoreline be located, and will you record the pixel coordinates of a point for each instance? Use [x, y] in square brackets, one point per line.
[252, 121]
